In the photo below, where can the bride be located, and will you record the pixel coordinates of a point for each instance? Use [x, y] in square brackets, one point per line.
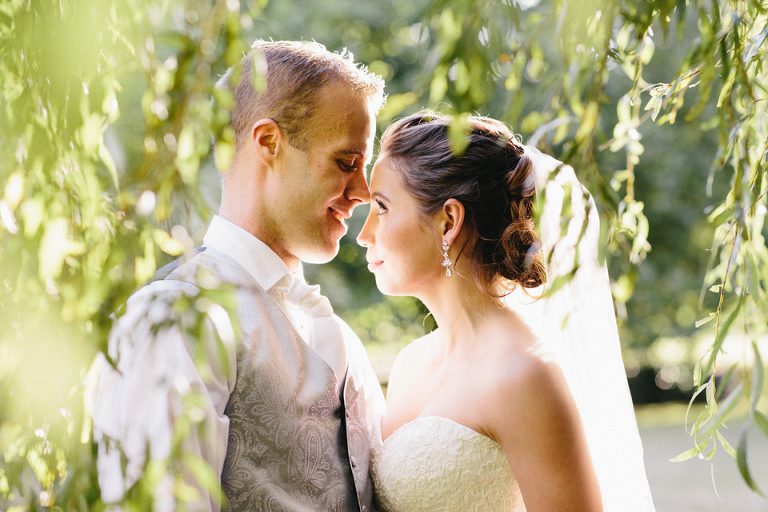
[513, 403]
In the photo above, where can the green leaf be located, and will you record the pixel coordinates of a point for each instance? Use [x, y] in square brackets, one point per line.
[106, 157]
[396, 103]
[689, 454]
[706, 319]
[726, 445]
[711, 455]
[690, 403]
[185, 492]
[91, 133]
[697, 373]
[623, 288]
[711, 400]
[55, 246]
[704, 417]
[723, 384]
[741, 460]
[187, 161]
[725, 409]
[225, 154]
[559, 282]
[657, 107]
[462, 77]
[762, 421]
[624, 111]
[651, 105]
[720, 214]
[167, 243]
[722, 331]
[438, 85]
[757, 378]
[693, 452]
[459, 133]
[727, 87]
[204, 476]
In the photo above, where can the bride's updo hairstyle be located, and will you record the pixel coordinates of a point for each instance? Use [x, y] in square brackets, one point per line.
[492, 178]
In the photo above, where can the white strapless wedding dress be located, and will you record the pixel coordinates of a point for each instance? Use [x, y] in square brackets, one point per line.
[433, 463]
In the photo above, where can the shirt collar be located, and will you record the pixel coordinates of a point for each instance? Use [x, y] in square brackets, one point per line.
[261, 262]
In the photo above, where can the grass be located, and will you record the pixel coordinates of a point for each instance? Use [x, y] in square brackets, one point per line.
[666, 414]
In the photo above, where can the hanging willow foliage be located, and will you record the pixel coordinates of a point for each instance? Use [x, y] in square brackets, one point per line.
[106, 119]
[86, 218]
[570, 50]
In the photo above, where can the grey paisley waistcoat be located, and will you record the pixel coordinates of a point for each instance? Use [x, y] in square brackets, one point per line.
[294, 444]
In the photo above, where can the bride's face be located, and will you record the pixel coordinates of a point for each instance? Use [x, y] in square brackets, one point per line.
[403, 252]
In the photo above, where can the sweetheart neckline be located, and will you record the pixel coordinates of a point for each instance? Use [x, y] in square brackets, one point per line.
[435, 417]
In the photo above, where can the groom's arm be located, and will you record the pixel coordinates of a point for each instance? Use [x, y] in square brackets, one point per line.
[160, 404]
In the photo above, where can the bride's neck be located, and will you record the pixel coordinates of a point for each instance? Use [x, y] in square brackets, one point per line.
[460, 309]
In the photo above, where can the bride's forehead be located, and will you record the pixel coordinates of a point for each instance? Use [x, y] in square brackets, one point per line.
[387, 178]
[382, 169]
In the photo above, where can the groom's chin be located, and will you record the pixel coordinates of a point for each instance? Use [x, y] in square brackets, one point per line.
[321, 255]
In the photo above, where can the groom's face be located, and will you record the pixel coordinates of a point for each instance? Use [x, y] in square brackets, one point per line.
[321, 185]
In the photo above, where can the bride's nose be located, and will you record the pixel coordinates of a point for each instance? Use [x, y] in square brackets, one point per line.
[365, 238]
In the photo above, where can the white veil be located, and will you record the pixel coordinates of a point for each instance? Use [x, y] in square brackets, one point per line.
[577, 326]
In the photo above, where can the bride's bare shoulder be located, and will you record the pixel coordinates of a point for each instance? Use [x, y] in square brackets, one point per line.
[534, 393]
[522, 361]
[415, 351]
[410, 360]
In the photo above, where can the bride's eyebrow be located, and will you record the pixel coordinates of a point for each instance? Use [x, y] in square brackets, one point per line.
[378, 195]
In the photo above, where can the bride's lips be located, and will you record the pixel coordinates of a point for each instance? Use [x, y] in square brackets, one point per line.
[373, 265]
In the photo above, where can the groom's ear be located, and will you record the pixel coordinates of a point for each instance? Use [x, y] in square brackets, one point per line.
[450, 220]
[267, 139]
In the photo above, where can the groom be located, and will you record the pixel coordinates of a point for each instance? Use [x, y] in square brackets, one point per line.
[283, 411]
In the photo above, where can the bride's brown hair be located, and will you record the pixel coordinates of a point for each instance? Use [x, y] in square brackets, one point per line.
[492, 178]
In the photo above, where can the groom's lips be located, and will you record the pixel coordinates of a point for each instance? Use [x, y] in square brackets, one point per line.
[340, 215]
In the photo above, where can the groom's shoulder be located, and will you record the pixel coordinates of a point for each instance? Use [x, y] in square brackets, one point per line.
[355, 349]
[351, 339]
[154, 300]
[151, 304]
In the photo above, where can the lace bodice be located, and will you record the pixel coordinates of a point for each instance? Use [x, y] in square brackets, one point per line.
[433, 463]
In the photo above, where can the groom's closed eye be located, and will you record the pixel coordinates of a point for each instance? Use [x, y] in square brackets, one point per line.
[346, 166]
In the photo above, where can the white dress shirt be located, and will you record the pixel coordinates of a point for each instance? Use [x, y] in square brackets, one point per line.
[261, 262]
[144, 403]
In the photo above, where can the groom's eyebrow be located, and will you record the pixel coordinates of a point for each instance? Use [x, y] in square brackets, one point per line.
[356, 152]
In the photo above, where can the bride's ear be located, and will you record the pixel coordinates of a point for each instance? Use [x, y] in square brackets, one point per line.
[450, 220]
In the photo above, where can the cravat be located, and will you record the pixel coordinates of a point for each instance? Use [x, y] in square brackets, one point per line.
[325, 335]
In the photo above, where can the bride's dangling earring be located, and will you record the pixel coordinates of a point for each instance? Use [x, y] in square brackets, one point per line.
[446, 260]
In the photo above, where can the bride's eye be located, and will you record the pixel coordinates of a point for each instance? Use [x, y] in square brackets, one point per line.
[382, 208]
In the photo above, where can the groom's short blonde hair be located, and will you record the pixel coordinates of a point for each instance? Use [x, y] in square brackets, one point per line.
[280, 80]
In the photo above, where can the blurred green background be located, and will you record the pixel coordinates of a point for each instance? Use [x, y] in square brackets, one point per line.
[107, 174]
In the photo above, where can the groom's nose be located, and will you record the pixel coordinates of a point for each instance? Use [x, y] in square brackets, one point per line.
[357, 191]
